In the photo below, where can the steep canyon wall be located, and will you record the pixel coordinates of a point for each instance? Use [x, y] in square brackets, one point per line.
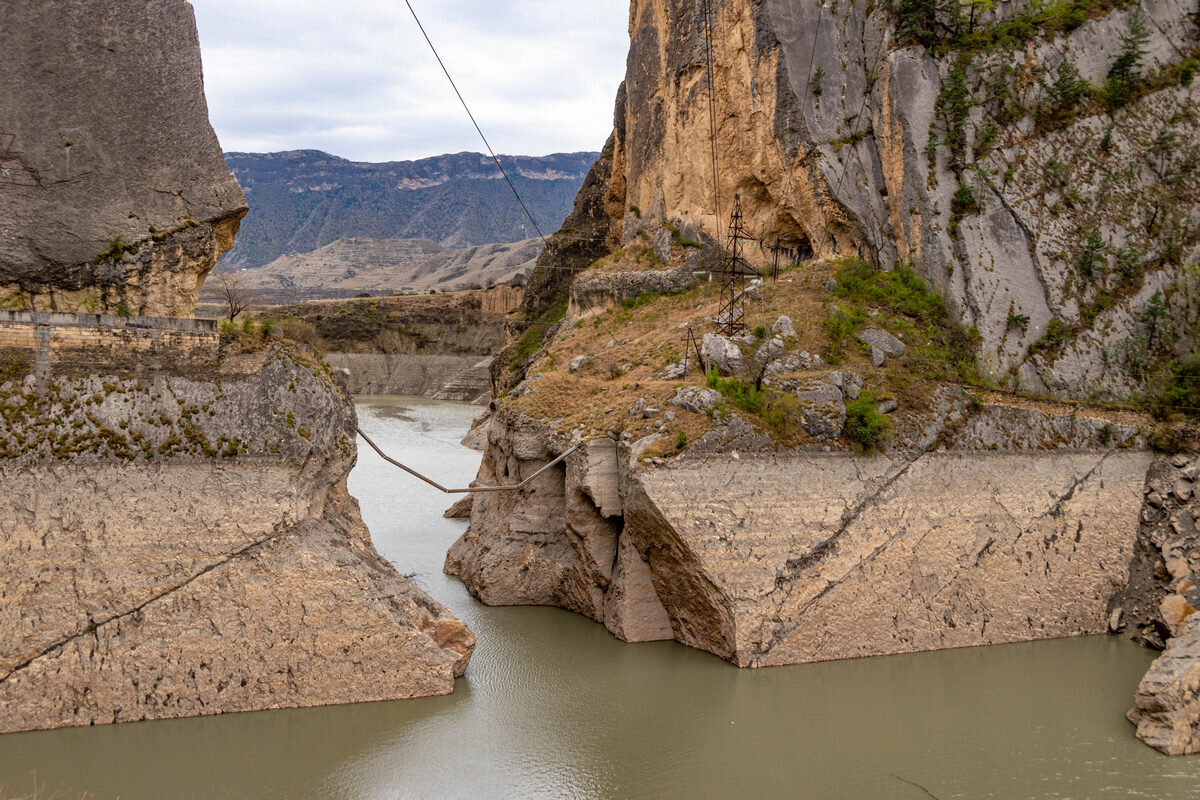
[843, 137]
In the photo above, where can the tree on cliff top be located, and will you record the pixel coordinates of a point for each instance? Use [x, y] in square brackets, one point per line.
[235, 292]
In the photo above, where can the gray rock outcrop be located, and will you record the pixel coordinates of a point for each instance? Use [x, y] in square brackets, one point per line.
[115, 194]
[772, 557]
[722, 354]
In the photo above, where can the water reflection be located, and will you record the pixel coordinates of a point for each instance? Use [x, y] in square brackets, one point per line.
[553, 706]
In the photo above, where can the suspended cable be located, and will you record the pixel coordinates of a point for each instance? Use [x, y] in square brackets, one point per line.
[712, 118]
[479, 130]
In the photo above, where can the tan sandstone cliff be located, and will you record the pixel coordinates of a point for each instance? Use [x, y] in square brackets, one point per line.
[843, 136]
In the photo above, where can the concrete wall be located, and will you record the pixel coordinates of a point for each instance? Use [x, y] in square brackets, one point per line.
[89, 343]
[444, 377]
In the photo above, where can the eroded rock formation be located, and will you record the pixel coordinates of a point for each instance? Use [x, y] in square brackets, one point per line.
[781, 558]
[184, 545]
[176, 537]
[113, 190]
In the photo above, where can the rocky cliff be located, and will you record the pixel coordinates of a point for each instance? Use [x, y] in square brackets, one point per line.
[1035, 163]
[175, 531]
[113, 190]
[1000, 525]
[183, 544]
[963, 198]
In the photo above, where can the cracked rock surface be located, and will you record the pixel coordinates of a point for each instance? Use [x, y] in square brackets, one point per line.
[1158, 606]
[997, 525]
[185, 545]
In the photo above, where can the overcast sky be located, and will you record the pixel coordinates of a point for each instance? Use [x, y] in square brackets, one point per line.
[355, 78]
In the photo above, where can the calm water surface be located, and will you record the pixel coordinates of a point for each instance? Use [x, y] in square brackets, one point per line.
[553, 706]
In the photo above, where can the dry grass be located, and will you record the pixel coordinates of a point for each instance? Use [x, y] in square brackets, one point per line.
[649, 337]
[598, 397]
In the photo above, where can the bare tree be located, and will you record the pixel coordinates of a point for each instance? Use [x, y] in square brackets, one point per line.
[235, 291]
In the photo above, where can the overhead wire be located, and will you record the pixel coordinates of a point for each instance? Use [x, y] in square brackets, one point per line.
[479, 130]
[712, 118]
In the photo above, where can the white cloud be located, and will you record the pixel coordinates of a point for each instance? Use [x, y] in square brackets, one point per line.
[355, 78]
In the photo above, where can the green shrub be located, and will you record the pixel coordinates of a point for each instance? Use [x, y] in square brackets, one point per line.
[1126, 71]
[643, 299]
[742, 394]
[814, 83]
[865, 426]
[1187, 70]
[964, 202]
[1091, 259]
[681, 440]
[1178, 389]
[531, 341]
[1055, 336]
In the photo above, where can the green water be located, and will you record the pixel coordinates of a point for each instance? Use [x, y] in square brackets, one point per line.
[553, 706]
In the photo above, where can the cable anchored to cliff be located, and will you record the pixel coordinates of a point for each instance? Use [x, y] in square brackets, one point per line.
[479, 130]
[440, 488]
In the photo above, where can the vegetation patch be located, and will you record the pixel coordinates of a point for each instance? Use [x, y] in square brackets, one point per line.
[15, 364]
[937, 348]
[868, 429]
[531, 341]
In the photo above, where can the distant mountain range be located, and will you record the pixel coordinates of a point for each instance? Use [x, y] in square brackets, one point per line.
[349, 267]
[302, 200]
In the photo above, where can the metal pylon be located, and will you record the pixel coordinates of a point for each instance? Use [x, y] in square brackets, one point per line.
[731, 318]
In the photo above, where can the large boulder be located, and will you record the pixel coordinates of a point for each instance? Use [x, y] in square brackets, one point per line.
[116, 196]
[1166, 707]
[723, 354]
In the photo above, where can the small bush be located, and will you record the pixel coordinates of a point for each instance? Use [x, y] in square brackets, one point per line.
[297, 330]
[865, 426]
[1091, 259]
[964, 202]
[742, 394]
[814, 83]
[681, 441]
[643, 299]
[1056, 335]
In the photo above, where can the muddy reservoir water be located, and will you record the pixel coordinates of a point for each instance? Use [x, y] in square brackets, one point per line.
[553, 706]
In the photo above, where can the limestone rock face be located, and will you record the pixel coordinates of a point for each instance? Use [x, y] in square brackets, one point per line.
[1167, 704]
[829, 129]
[771, 557]
[180, 545]
[558, 542]
[113, 189]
